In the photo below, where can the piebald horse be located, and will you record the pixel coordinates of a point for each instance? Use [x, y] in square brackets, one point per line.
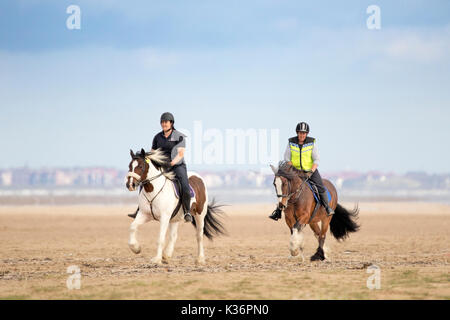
[297, 201]
[157, 201]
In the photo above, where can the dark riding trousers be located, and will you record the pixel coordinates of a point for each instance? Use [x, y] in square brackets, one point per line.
[317, 180]
[181, 173]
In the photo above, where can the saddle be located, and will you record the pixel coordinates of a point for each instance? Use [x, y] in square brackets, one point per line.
[316, 195]
[177, 188]
[315, 191]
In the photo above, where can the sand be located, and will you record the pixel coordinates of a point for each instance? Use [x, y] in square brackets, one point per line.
[407, 241]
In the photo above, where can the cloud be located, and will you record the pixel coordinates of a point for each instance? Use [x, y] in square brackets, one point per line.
[151, 58]
[419, 47]
[416, 46]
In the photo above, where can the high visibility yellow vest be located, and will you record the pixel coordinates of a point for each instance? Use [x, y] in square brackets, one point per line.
[301, 155]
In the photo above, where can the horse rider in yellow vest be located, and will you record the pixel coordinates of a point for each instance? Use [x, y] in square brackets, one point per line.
[301, 152]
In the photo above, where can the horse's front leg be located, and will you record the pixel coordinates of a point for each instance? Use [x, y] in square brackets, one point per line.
[168, 250]
[315, 227]
[140, 219]
[296, 243]
[163, 225]
[320, 253]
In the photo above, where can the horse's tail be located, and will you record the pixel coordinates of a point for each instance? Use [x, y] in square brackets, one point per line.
[213, 225]
[343, 222]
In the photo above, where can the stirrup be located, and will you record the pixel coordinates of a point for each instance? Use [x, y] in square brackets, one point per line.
[188, 217]
[133, 215]
[276, 214]
[330, 211]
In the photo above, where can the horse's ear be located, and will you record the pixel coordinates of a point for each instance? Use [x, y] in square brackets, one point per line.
[274, 169]
[131, 153]
[143, 152]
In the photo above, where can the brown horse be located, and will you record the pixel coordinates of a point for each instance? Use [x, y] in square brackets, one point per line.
[298, 203]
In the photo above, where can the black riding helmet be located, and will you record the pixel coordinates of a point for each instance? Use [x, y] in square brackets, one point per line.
[167, 116]
[302, 127]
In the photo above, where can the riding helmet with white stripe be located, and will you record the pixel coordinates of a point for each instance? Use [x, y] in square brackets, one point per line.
[302, 127]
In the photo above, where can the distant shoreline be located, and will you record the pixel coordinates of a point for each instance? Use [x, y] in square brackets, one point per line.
[121, 196]
[237, 209]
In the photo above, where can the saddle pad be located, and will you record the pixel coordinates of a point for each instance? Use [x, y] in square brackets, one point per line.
[315, 194]
[177, 192]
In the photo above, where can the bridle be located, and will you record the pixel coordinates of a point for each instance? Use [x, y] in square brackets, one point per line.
[290, 194]
[145, 167]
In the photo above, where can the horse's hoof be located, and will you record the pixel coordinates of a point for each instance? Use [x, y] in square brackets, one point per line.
[294, 253]
[156, 260]
[165, 260]
[136, 248]
[317, 257]
[200, 261]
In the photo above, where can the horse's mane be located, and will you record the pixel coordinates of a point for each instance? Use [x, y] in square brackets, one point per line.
[159, 160]
[289, 172]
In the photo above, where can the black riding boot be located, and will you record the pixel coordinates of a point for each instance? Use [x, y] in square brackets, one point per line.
[186, 203]
[276, 214]
[133, 215]
[187, 215]
[181, 173]
[324, 199]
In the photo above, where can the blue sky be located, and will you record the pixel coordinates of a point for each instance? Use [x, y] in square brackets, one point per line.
[375, 99]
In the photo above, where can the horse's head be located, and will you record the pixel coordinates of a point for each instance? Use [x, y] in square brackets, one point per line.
[281, 185]
[137, 169]
[144, 167]
[287, 179]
